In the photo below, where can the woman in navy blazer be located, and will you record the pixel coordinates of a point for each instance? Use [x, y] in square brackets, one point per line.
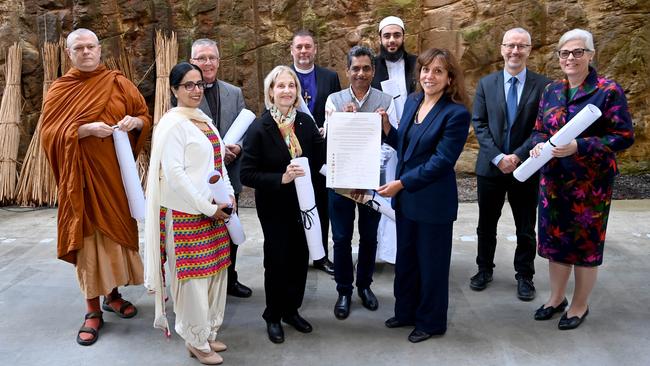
[429, 140]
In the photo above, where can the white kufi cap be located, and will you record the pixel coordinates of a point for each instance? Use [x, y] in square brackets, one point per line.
[391, 20]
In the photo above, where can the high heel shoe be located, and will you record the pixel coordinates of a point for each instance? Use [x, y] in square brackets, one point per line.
[206, 358]
[217, 346]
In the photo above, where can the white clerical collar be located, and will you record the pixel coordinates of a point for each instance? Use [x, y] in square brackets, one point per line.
[303, 71]
[365, 97]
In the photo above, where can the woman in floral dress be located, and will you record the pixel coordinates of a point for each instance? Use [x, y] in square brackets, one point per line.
[576, 186]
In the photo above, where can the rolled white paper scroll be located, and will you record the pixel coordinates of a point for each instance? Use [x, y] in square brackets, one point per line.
[302, 107]
[239, 127]
[130, 178]
[580, 122]
[309, 213]
[371, 198]
[220, 194]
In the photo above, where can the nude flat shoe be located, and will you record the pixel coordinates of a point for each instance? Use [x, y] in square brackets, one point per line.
[206, 358]
[217, 346]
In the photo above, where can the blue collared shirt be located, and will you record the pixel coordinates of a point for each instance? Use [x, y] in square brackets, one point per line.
[521, 78]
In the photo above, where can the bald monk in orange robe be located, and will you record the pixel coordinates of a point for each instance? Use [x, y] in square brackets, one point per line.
[95, 230]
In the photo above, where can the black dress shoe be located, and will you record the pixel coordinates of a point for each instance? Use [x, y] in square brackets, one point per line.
[396, 323]
[525, 289]
[324, 265]
[572, 322]
[368, 299]
[547, 313]
[237, 289]
[342, 307]
[276, 333]
[480, 280]
[299, 323]
[418, 336]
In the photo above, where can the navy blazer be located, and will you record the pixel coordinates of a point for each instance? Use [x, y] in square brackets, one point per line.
[426, 165]
[489, 119]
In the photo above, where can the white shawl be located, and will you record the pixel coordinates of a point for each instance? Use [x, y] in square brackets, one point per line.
[153, 278]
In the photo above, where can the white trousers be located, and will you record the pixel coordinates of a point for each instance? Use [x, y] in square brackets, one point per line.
[386, 232]
[199, 303]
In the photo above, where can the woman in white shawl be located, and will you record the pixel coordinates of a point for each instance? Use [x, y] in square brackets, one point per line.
[184, 226]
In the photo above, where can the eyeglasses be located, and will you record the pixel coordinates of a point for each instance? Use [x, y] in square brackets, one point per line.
[189, 86]
[512, 46]
[577, 53]
[204, 60]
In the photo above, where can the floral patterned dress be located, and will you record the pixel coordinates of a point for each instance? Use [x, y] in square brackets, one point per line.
[576, 191]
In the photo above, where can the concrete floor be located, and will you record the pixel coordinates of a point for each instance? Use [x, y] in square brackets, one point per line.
[42, 309]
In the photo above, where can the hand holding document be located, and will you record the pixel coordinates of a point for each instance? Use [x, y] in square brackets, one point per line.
[370, 198]
[310, 218]
[220, 194]
[353, 150]
[130, 178]
[239, 127]
[580, 122]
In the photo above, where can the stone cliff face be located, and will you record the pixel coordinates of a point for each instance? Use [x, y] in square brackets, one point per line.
[254, 36]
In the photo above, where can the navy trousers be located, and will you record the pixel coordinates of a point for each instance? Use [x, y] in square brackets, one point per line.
[342, 213]
[422, 274]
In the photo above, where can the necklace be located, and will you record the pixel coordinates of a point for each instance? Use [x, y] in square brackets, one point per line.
[417, 113]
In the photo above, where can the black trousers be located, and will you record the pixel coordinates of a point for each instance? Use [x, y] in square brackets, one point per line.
[286, 259]
[232, 272]
[522, 198]
[422, 274]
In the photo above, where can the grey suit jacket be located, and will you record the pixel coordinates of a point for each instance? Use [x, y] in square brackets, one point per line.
[231, 102]
[489, 119]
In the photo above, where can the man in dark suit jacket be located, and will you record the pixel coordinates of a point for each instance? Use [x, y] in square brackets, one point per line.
[222, 102]
[317, 83]
[505, 109]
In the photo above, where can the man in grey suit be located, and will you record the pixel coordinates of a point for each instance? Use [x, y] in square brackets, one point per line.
[222, 102]
[505, 108]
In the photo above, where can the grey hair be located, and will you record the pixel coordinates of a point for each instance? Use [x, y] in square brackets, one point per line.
[358, 51]
[580, 34]
[79, 32]
[269, 83]
[518, 30]
[204, 42]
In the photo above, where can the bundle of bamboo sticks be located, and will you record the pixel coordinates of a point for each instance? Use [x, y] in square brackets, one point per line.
[166, 58]
[122, 63]
[9, 124]
[65, 60]
[36, 184]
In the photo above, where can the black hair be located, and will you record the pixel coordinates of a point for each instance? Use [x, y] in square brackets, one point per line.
[358, 51]
[177, 74]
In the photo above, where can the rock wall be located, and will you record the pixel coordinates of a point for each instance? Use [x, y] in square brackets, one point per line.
[254, 36]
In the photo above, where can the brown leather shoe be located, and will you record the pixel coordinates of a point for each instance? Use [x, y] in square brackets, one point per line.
[217, 346]
[206, 358]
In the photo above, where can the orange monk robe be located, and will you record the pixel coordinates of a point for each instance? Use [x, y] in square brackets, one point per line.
[91, 194]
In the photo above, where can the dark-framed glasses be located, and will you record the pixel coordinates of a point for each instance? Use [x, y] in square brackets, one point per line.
[576, 52]
[204, 60]
[190, 85]
[512, 46]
